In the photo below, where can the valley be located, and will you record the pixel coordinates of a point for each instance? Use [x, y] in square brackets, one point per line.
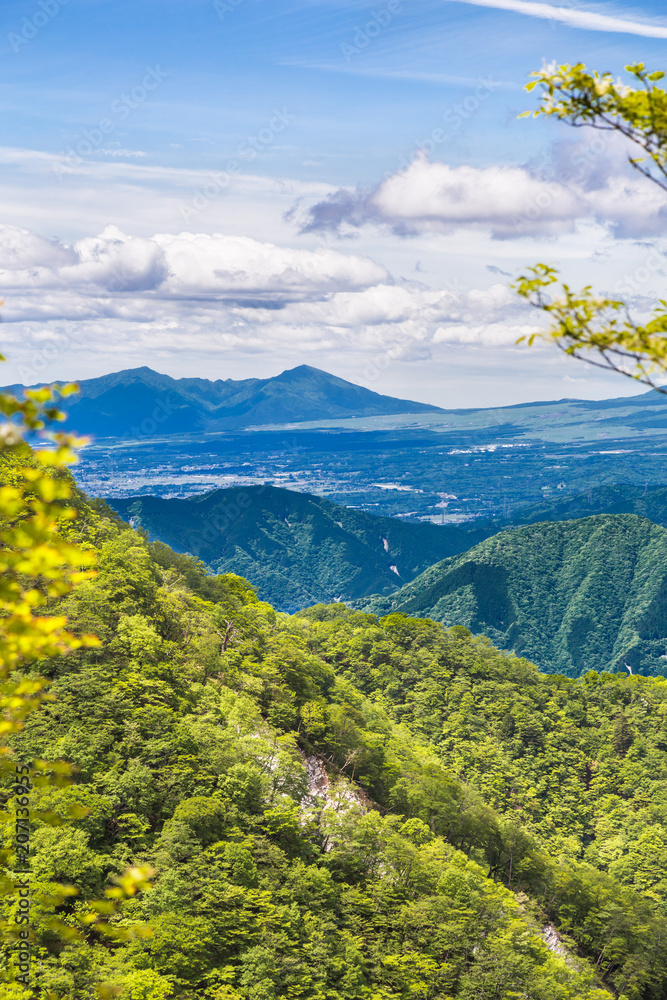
[329, 507]
[444, 475]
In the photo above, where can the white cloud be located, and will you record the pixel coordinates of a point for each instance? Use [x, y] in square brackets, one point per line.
[234, 263]
[505, 201]
[164, 267]
[483, 335]
[20, 249]
[139, 297]
[588, 20]
[502, 198]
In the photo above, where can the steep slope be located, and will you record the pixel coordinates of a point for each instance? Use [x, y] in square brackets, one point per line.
[305, 845]
[140, 402]
[303, 839]
[297, 549]
[580, 764]
[576, 595]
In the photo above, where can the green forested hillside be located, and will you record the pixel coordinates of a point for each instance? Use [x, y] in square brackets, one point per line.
[336, 806]
[295, 548]
[298, 549]
[573, 596]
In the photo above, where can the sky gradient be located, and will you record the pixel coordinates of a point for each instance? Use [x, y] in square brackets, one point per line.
[228, 188]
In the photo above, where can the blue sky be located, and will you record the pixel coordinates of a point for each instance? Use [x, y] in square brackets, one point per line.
[241, 124]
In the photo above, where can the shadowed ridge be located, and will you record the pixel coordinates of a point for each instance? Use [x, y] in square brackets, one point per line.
[296, 548]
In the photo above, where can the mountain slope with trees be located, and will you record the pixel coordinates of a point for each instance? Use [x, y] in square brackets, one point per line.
[295, 548]
[314, 828]
[192, 732]
[575, 595]
[299, 549]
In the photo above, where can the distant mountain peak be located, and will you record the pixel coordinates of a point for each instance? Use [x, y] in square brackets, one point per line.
[137, 401]
[305, 370]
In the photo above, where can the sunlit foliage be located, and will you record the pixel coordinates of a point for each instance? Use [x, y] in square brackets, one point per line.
[596, 328]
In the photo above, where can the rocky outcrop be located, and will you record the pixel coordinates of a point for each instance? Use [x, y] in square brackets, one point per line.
[330, 790]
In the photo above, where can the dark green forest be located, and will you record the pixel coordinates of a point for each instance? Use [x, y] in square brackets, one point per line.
[334, 805]
[572, 596]
[297, 549]
[570, 592]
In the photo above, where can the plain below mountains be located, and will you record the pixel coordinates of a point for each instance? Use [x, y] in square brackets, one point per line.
[295, 548]
[140, 402]
[572, 596]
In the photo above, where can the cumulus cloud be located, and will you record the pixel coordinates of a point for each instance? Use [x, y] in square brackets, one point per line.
[233, 263]
[20, 249]
[507, 202]
[164, 267]
[117, 294]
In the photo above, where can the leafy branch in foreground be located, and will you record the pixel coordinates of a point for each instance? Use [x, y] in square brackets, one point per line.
[39, 564]
[36, 562]
[580, 98]
[590, 327]
[596, 329]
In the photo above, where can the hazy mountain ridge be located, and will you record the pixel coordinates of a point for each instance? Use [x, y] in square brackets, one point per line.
[575, 595]
[140, 401]
[645, 501]
[299, 549]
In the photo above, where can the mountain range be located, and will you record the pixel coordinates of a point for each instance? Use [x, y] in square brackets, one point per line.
[139, 402]
[572, 593]
[596, 602]
[297, 549]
